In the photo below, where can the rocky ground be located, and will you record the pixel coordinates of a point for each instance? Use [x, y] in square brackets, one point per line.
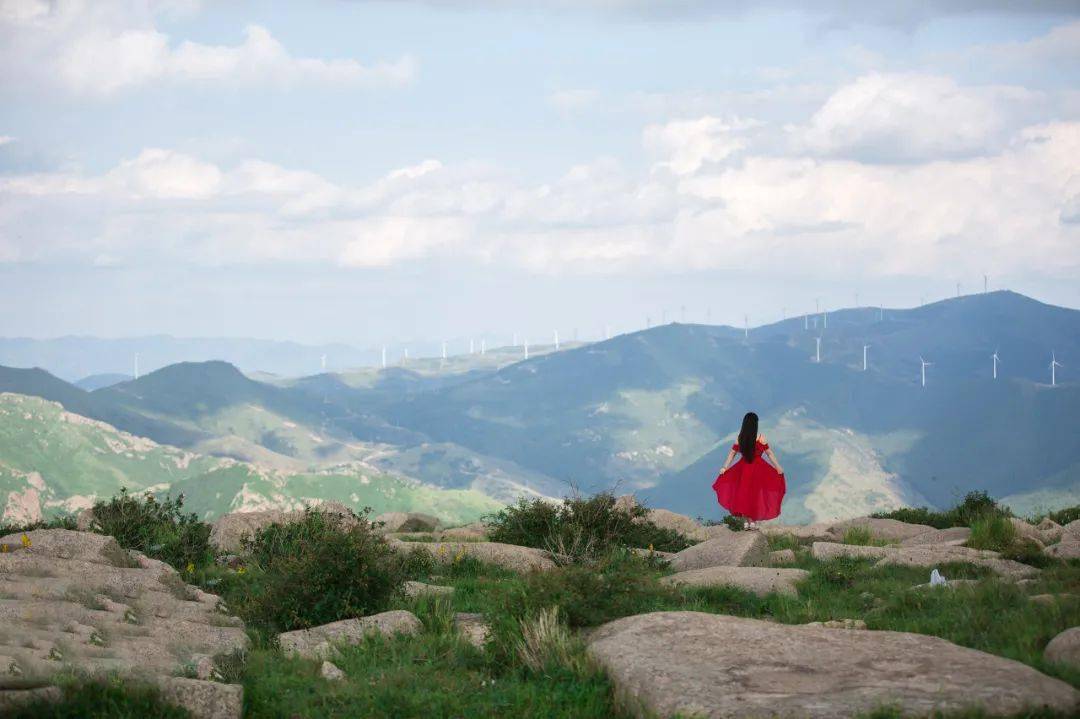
[782, 621]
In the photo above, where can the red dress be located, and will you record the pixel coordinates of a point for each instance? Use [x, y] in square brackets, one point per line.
[751, 489]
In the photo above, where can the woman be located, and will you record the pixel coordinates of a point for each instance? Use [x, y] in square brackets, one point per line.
[752, 488]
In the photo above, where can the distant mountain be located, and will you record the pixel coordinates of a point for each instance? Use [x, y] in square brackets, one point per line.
[52, 460]
[100, 381]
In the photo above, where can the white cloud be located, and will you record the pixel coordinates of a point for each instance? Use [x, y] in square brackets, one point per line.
[909, 117]
[689, 144]
[102, 49]
[6, 139]
[570, 100]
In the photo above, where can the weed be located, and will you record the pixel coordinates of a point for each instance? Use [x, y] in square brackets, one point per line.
[992, 531]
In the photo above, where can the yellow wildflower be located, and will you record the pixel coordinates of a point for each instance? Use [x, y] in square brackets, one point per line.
[241, 570]
[3, 549]
[190, 567]
[25, 541]
[458, 556]
[650, 547]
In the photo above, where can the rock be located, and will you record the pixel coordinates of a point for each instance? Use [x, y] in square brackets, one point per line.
[203, 700]
[1067, 548]
[1027, 531]
[782, 556]
[710, 666]
[652, 553]
[406, 522]
[1052, 599]
[727, 549]
[677, 522]
[951, 537]
[84, 521]
[758, 580]
[330, 672]
[626, 503]
[475, 532]
[76, 602]
[204, 667]
[1072, 528]
[229, 531]
[810, 532]
[1064, 648]
[510, 556]
[853, 624]
[825, 551]
[1051, 530]
[888, 530]
[318, 642]
[15, 698]
[473, 627]
[419, 589]
[924, 556]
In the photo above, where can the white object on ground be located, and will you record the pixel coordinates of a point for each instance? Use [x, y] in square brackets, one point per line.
[936, 578]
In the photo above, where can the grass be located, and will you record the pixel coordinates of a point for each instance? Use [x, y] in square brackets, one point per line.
[992, 532]
[111, 699]
[862, 537]
[974, 506]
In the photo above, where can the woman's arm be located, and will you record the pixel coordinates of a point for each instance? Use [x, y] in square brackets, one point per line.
[775, 462]
[727, 462]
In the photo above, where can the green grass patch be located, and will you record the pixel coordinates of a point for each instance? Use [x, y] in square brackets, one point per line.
[112, 699]
[782, 541]
[862, 537]
[974, 506]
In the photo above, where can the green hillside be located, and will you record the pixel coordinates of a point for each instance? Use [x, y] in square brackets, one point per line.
[53, 461]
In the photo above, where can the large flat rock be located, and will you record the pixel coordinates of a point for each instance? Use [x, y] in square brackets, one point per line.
[1065, 648]
[888, 530]
[927, 555]
[706, 665]
[802, 532]
[228, 533]
[75, 601]
[510, 556]
[391, 522]
[759, 580]
[951, 537]
[725, 549]
[320, 642]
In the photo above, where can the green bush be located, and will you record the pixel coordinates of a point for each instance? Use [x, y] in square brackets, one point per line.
[588, 595]
[735, 524]
[992, 532]
[157, 529]
[317, 570]
[974, 506]
[1062, 516]
[581, 528]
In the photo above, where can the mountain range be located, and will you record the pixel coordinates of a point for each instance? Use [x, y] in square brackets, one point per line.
[655, 411]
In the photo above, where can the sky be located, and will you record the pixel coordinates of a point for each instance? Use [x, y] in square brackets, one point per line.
[372, 172]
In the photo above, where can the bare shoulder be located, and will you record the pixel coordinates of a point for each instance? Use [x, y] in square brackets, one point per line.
[763, 439]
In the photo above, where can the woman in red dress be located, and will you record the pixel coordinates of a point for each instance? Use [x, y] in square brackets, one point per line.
[752, 488]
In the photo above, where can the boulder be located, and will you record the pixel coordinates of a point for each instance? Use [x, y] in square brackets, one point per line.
[331, 672]
[1072, 528]
[510, 556]
[85, 519]
[475, 532]
[202, 699]
[1051, 530]
[11, 699]
[1067, 548]
[652, 553]
[706, 665]
[726, 549]
[77, 602]
[887, 530]
[951, 537]
[406, 522]
[1064, 648]
[804, 533]
[1028, 531]
[473, 627]
[782, 556]
[949, 584]
[319, 642]
[758, 580]
[228, 533]
[825, 551]
[419, 589]
[927, 555]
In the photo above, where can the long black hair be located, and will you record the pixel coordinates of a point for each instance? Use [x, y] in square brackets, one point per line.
[748, 436]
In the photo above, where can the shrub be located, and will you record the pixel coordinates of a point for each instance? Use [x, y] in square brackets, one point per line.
[588, 595]
[735, 524]
[1064, 516]
[157, 529]
[580, 528]
[973, 507]
[992, 532]
[862, 537]
[315, 571]
[112, 699]
[546, 643]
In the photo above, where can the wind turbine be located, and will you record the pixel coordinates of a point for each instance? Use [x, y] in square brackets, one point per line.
[483, 346]
[444, 350]
[556, 340]
[986, 284]
[783, 313]
[864, 365]
[323, 360]
[648, 322]
[472, 349]
[607, 332]
[1054, 364]
[746, 327]
[384, 356]
[136, 365]
[924, 364]
[881, 314]
[825, 319]
[995, 358]
[682, 314]
[405, 356]
[817, 352]
[957, 289]
[806, 322]
[526, 348]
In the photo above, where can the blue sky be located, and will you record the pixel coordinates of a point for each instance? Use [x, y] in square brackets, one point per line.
[378, 172]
